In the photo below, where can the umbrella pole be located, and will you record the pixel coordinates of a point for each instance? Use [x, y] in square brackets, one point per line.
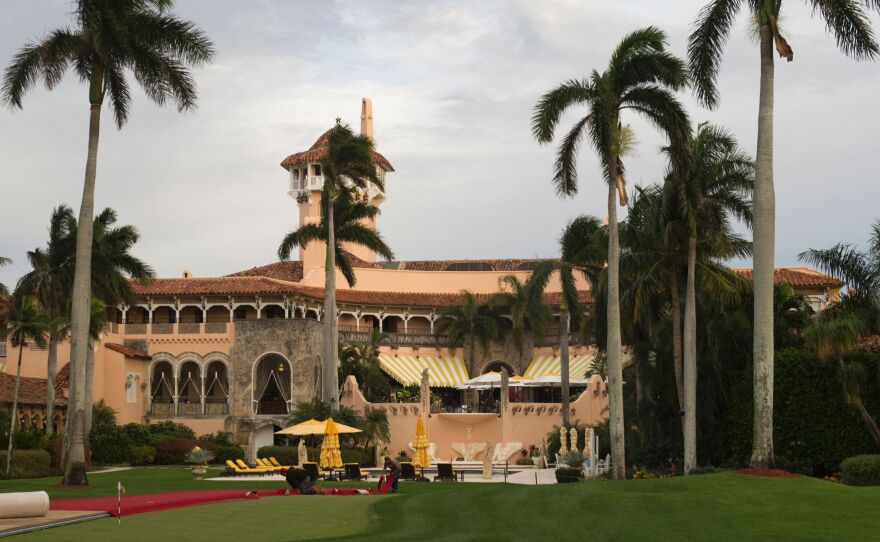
[422, 478]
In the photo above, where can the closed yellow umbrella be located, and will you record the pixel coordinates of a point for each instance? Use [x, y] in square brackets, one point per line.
[330, 456]
[420, 444]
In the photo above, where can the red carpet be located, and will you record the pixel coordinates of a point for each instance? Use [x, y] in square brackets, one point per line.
[151, 502]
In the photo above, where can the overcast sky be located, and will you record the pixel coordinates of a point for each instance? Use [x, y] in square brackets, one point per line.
[453, 85]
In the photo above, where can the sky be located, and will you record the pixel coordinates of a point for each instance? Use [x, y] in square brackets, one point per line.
[453, 86]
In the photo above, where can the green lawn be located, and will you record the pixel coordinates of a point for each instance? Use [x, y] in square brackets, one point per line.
[723, 506]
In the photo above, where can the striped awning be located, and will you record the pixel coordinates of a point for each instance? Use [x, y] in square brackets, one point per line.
[552, 366]
[443, 371]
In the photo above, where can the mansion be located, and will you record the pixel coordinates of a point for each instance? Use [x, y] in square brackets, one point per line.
[236, 352]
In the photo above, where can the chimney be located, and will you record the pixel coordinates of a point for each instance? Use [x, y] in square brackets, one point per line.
[367, 118]
[187, 274]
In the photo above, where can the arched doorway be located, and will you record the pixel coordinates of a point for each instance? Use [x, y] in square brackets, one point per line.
[162, 390]
[272, 385]
[216, 389]
[189, 389]
[496, 367]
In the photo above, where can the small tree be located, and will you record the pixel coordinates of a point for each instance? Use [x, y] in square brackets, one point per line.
[27, 324]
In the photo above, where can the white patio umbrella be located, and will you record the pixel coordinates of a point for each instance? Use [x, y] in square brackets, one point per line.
[491, 380]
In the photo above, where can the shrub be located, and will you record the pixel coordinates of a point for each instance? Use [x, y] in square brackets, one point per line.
[568, 474]
[220, 438]
[229, 452]
[31, 439]
[138, 433]
[169, 430]
[198, 456]
[172, 451]
[861, 470]
[286, 455]
[142, 455]
[27, 463]
[110, 444]
[524, 461]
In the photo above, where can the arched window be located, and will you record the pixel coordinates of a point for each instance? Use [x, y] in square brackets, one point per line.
[216, 389]
[272, 385]
[189, 389]
[162, 389]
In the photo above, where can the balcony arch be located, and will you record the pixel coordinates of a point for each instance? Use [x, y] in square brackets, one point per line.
[216, 388]
[162, 389]
[189, 389]
[272, 385]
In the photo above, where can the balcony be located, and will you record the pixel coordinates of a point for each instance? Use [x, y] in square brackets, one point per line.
[162, 410]
[189, 327]
[394, 339]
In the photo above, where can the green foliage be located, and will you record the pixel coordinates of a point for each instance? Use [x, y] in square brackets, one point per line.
[110, 444]
[142, 455]
[567, 475]
[228, 452]
[524, 461]
[172, 451]
[362, 362]
[103, 414]
[198, 456]
[286, 455]
[813, 425]
[28, 463]
[409, 394]
[574, 459]
[169, 430]
[31, 439]
[138, 434]
[861, 470]
[220, 438]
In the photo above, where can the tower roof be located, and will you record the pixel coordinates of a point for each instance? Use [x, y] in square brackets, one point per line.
[318, 151]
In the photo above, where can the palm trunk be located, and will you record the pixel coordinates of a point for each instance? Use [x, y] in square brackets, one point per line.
[690, 361]
[856, 402]
[75, 468]
[615, 366]
[14, 412]
[90, 375]
[330, 378]
[564, 365]
[762, 276]
[676, 341]
[51, 369]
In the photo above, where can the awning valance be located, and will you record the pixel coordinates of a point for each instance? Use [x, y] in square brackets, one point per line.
[443, 371]
[552, 366]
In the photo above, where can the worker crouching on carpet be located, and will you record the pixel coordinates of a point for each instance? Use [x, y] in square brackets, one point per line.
[300, 480]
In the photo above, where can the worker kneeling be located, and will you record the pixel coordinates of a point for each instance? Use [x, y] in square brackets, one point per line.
[300, 480]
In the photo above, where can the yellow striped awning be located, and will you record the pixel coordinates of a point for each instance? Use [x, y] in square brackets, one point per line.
[443, 371]
[552, 366]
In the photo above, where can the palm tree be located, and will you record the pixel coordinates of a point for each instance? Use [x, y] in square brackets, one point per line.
[4, 261]
[349, 157]
[526, 311]
[375, 426]
[97, 321]
[847, 21]
[49, 281]
[362, 361]
[467, 325]
[26, 324]
[110, 37]
[639, 77]
[713, 186]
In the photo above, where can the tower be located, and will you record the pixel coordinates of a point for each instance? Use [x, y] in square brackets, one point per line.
[307, 180]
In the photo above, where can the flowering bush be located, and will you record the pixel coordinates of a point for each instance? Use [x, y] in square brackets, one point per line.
[199, 456]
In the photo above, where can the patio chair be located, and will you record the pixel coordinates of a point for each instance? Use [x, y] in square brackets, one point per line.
[275, 463]
[445, 472]
[266, 464]
[232, 468]
[407, 471]
[242, 465]
[312, 469]
[353, 472]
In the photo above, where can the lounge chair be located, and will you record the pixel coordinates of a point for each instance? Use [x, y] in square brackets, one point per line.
[353, 472]
[407, 471]
[256, 468]
[312, 469]
[266, 464]
[275, 463]
[445, 472]
[232, 468]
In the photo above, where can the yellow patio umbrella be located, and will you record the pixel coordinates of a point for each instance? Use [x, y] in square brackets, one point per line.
[420, 444]
[330, 456]
[315, 427]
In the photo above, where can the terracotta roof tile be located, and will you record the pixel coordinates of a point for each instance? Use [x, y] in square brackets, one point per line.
[318, 151]
[798, 277]
[128, 352]
[31, 392]
[289, 270]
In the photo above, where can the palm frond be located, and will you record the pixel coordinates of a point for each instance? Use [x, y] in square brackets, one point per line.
[706, 44]
[553, 104]
[850, 25]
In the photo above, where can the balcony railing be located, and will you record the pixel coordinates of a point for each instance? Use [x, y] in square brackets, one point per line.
[216, 327]
[394, 339]
[216, 409]
[189, 327]
[162, 410]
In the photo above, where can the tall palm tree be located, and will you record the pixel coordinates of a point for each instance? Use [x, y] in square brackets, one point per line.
[110, 37]
[349, 158]
[848, 22]
[4, 261]
[49, 281]
[97, 321]
[713, 186]
[26, 324]
[526, 311]
[640, 77]
[467, 325]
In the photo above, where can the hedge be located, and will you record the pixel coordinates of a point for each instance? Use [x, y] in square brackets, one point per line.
[227, 452]
[27, 463]
[861, 470]
[813, 427]
[569, 474]
[142, 455]
[288, 455]
[173, 451]
[110, 444]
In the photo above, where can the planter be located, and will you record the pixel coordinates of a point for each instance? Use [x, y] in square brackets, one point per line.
[199, 472]
[567, 475]
[539, 462]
